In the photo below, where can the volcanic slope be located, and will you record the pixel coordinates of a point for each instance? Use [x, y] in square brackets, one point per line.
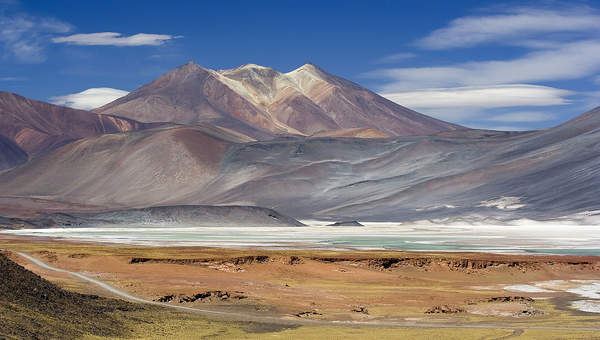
[37, 127]
[134, 169]
[538, 174]
[261, 102]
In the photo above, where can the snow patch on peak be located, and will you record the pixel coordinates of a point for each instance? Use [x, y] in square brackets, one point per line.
[251, 65]
[307, 68]
[503, 203]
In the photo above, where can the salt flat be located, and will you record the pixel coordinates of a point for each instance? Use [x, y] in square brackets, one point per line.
[517, 237]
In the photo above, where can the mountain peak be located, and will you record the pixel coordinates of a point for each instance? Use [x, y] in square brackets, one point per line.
[190, 66]
[251, 65]
[259, 101]
[311, 70]
[310, 67]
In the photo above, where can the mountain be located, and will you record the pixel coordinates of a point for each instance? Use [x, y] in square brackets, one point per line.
[261, 102]
[537, 174]
[37, 127]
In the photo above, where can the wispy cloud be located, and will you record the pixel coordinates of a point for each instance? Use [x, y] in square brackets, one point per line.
[562, 43]
[514, 24]
[481, 97]
[11, 78]
[394, 58]
[570, 61]
[90, 98]
[115, 39]
[523, 117]
[498, 127]
[24, 37]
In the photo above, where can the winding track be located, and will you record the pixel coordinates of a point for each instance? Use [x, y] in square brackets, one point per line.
[276, 320]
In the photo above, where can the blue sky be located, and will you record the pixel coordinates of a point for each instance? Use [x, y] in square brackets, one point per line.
[519, 65]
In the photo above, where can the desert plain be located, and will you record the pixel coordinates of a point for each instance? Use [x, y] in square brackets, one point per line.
[192, 292]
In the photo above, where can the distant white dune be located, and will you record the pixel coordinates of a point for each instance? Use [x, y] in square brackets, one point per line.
[527, 289]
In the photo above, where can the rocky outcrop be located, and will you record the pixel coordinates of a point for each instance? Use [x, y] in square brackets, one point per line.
[243, 260]
[444, 309]
[465, 264]
[510, 299]
[308, 314]
[208, 296]
[360, 309]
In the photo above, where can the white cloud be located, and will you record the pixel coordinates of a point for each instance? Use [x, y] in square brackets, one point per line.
[24, 37]
[90, 98]
[11, 78]
[570, 61]
[453, 114]
[115, 39]
[513, 24]
[591, 100]
[393, 58]
[523, 117]
[562, 43]
[481, 97]
[497, 127]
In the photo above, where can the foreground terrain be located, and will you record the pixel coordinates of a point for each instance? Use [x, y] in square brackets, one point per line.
[312, 293]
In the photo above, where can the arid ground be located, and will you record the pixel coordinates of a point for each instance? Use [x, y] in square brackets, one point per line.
[328, 294]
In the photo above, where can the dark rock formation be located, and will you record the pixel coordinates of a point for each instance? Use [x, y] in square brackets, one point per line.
[346, 224]
[444, 309]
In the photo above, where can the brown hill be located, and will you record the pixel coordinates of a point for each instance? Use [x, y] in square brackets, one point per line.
[37, 127]
[115, 169]
[262, 102]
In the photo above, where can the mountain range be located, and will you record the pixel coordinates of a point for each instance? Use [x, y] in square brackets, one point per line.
[305, 143]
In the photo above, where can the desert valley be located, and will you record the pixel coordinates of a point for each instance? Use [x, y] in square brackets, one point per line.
[254, 203]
